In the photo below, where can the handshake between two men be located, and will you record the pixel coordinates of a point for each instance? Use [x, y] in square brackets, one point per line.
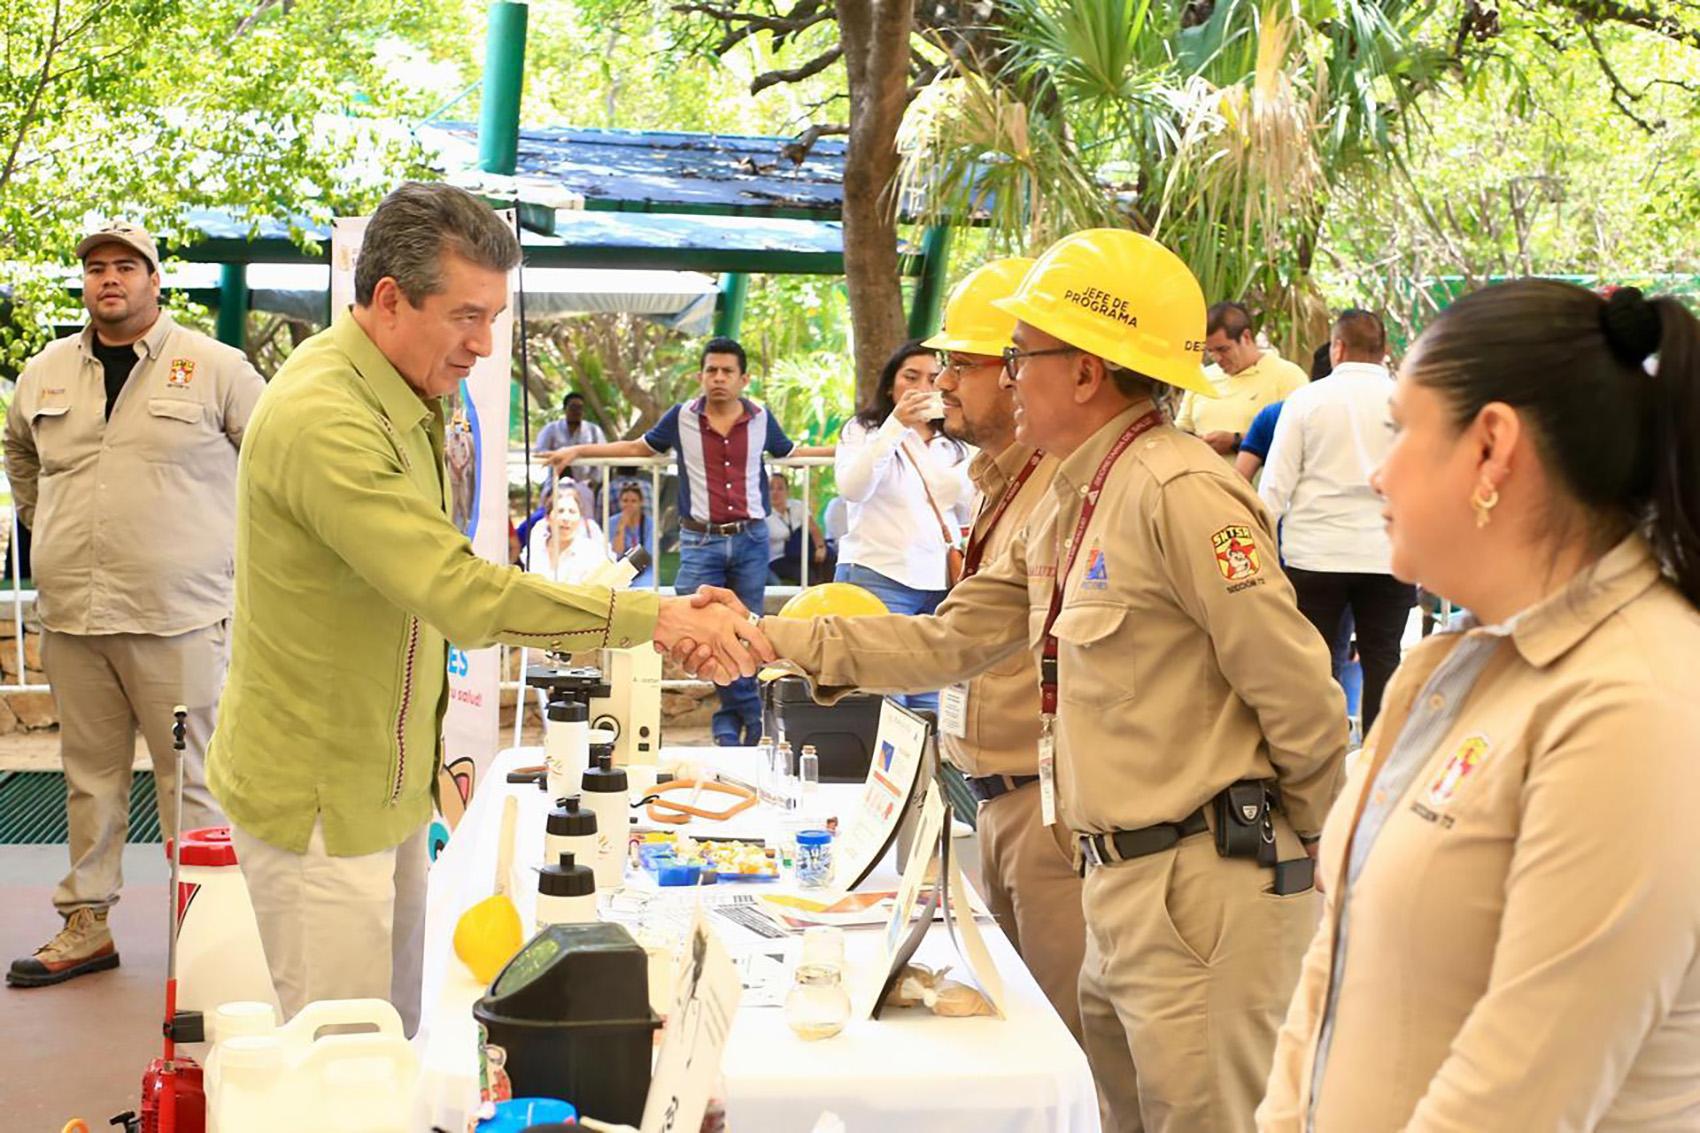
[712, 635]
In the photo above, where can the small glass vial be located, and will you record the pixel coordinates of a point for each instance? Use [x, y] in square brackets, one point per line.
[784, 776]
[764, 770]
[818, 1007]
[808, 773]
[814, 858]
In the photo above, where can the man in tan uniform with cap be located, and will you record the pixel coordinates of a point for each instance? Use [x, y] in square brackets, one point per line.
[121, 449]
[989, 725]
[1175, 666]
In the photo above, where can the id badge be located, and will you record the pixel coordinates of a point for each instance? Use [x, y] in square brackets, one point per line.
[953, 711]
[1047, 775]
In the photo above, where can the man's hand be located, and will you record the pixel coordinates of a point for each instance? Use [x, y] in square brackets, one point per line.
[559, 458]
[1222, 441]
[711, 639]
[820, 552]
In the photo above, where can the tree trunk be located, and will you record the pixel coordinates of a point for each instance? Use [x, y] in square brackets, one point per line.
[875, 37]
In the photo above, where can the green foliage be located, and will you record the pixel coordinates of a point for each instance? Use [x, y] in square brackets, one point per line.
[1221, 129]
[1529, 166]
[147, 109]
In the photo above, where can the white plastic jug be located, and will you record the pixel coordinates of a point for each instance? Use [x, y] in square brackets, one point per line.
[294, 1078]
[219, 957]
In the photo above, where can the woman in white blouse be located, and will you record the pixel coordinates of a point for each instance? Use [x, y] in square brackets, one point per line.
[907, 491]
[566, 547]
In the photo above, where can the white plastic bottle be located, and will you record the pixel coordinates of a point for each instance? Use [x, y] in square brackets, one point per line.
[566, 745]
[566, 894]
[570, 829]
[605, 791]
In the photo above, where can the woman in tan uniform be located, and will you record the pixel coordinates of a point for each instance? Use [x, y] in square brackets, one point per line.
[1511, 935]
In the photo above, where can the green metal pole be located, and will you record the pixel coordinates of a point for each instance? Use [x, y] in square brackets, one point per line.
[729, 308]
[233, 305]
[504, 77]
[929, 286]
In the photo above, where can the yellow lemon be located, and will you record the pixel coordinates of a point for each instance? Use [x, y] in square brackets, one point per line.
[487, 936]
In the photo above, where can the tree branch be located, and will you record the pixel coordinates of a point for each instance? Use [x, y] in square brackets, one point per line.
[1621, 96]
[27, 118]
[796, 74]
[741, 25]
[798, 149]
[1602, 11]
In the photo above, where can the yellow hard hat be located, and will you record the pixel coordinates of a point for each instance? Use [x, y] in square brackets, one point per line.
[971, 324]
[1123, 297]
[844, 599]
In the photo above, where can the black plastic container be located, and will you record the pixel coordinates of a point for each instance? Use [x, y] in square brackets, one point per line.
[571, 1014]
[843, 734]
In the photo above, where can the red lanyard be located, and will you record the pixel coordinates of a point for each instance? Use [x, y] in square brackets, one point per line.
[977, 541]
[1048, 661]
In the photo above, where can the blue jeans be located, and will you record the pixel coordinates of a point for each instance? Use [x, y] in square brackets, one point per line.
[899, 599]
[739, 563]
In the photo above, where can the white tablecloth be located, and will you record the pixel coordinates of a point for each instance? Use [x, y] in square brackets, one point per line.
[908, 1072]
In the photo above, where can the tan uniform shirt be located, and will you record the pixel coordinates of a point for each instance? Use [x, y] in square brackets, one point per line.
[1184, 661]
[1268, 380]
[133, 519]
[1524, 936]
[1002, 726]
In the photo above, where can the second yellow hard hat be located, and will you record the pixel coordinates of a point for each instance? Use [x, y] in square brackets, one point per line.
[1123, 297]
[972, 325]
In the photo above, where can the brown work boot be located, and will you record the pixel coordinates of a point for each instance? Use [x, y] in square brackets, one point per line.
[84, 945]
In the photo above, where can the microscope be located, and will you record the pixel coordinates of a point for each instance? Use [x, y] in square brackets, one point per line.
[623, 691]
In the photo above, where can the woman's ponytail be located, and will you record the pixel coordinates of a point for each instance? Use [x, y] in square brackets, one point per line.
[1675, 487]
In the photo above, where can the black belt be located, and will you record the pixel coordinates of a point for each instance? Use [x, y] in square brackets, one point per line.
[988, 787]
[702, 528]
[1123, 845]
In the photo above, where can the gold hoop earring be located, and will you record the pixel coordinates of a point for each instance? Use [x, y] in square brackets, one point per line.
[1484, 505]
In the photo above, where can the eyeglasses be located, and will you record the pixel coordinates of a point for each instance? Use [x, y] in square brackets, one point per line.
[959, 364]
[1012, 356]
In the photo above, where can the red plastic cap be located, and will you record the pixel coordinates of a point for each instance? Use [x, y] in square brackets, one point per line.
[208, 846]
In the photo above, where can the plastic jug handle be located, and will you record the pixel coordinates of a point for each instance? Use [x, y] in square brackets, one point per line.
[398, 1052]
[348, 1012]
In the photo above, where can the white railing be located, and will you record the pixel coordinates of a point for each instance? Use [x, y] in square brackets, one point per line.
[659, 466]
[19, 595]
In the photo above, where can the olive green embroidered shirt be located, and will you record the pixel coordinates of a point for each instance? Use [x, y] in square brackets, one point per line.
[350, 581]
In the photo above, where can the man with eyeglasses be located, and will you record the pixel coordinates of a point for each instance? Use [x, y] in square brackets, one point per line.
[1246, 377]
[1181, 692]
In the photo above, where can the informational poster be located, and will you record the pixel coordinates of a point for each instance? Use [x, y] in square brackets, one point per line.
[475, 448]
[869, 830]
[707, 989]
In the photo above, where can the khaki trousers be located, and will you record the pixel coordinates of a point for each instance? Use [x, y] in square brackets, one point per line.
[1189, 967]
[340, 928]
[1034, 893]
[104, 686]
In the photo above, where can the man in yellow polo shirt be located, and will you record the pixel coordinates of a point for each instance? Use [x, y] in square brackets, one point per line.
[1247, 377]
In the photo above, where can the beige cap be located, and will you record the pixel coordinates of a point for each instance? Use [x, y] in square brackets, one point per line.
[121, 232]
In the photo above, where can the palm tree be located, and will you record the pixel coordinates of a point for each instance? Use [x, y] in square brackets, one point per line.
[1217, 126]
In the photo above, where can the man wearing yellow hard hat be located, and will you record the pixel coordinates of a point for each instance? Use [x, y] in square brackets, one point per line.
[989, 725]
[1189, 728]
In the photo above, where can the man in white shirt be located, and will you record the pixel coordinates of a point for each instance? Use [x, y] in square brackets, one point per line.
[1332, 435]
[573, 429]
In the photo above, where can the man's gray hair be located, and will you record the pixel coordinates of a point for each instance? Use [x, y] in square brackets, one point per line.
[415, 225]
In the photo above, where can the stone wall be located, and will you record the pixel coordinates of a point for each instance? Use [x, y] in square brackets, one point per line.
[23, 711]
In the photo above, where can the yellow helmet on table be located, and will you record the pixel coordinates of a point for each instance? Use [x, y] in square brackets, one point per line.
[840, 599]
[1123, 297]
[972, 325]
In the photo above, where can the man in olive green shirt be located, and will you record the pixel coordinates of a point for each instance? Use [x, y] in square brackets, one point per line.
[350, 581]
